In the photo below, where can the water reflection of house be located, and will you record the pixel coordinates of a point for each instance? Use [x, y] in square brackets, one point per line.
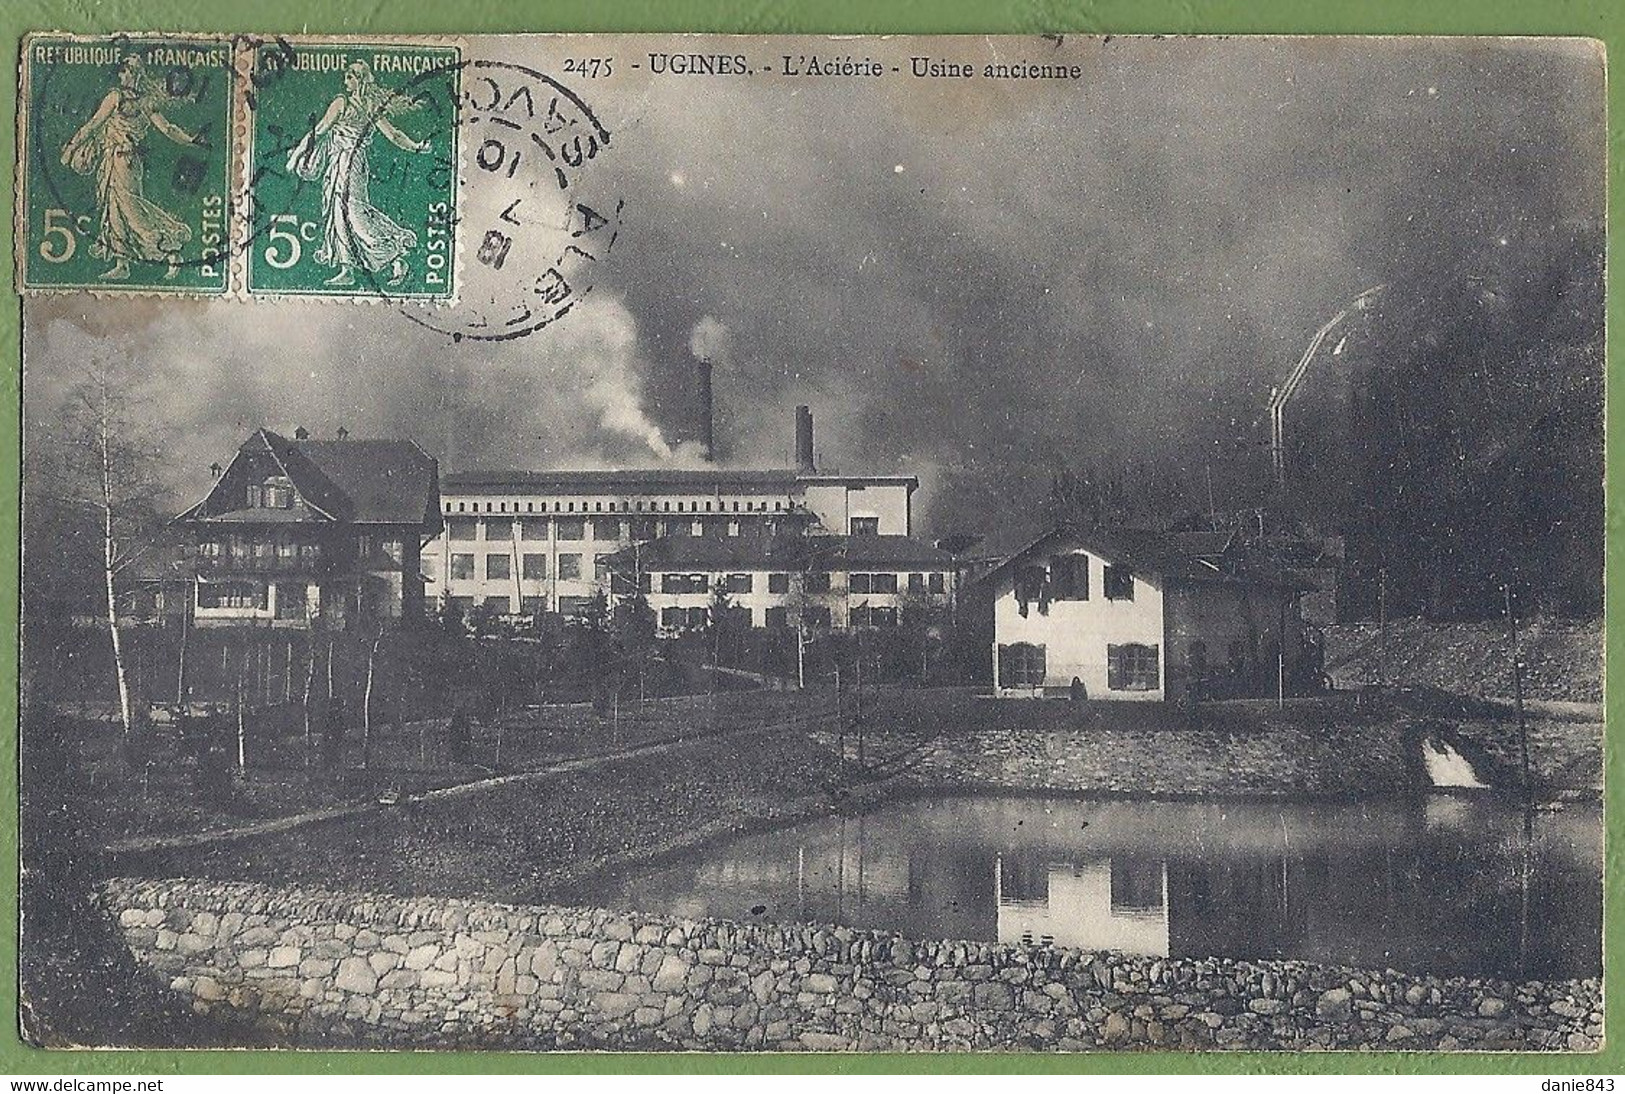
[1097, 904]
[1436, 886]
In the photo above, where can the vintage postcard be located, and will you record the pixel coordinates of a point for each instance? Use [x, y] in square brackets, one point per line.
[782, 544]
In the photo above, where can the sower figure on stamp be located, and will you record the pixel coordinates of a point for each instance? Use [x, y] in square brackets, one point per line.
[128, 225]
[356, 232]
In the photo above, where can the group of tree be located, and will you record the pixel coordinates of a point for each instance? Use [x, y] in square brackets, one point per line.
[1454, 441]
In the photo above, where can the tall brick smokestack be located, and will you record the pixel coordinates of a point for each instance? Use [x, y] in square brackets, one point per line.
[804, 440]
[707, 413]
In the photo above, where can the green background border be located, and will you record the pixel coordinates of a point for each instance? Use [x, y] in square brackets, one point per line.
[1592, 18]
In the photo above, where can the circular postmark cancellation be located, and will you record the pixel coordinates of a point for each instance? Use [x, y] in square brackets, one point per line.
[352, 169]
[128, 153]
[392, 171]
[534, 230]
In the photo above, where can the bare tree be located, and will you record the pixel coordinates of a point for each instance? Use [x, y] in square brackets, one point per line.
[366, 701]
[99, 457]
[807, 609]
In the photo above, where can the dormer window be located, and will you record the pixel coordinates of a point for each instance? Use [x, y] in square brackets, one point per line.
[275, 492]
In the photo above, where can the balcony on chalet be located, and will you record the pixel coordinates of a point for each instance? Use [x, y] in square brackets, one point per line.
[302, 559]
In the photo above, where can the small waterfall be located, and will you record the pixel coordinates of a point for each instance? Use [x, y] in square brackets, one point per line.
[1447, 768]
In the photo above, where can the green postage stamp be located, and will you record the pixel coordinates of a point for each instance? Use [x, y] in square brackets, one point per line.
[259, 166]
[352, 169]
[128, 149]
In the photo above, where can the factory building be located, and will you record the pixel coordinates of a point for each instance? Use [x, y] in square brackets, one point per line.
[529, 542]
[811, 583]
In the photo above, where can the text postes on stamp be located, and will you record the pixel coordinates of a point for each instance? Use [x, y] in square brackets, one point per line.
[126, 168]
[537, 222]
[352, 169]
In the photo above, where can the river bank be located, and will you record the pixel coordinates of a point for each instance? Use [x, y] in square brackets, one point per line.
[554, 837]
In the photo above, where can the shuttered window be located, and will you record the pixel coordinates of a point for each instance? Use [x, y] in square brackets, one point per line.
[1119, 583]
[1069, 576]
[1132, 667]
[1022, 665]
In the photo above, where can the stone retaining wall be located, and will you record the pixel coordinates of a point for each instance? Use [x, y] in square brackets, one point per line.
[1285, 761]
[357, 968]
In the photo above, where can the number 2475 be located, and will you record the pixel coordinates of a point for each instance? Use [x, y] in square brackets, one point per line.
[590, 67]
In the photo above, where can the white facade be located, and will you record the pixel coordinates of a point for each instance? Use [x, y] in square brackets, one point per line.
[859, 506]
[1139, 616]
[1078, 908]
[1077, 635]
[548, 531]
[777, 597]
[520, 564]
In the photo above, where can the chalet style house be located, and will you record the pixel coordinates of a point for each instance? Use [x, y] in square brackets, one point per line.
[299, 530]
[1121, 614]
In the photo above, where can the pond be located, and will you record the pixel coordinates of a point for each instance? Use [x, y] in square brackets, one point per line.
[1444, 885]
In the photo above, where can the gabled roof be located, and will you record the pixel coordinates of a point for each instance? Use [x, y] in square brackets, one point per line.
[781, 552]
[1016, 533]
[1178, 557]
[382, 481]
[362, 481]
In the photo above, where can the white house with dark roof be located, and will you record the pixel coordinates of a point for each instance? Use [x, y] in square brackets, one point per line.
[1134, 615]
[298, 529]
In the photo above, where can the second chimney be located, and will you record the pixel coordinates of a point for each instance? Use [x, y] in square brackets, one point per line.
[707, 413]
[804, 440]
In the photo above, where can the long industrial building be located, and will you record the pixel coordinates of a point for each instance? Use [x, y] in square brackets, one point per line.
[529, 542]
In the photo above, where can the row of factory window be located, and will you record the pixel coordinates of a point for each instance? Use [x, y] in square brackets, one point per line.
[528, 605]
[533, 567]
[815, 581]
[606, 529]
[693, 506]
[813, 616]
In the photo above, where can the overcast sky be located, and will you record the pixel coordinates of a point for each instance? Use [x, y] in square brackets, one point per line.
[971, 281]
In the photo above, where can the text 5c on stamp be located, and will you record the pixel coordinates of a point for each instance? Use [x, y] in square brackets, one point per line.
[352, 169]
[127, 154]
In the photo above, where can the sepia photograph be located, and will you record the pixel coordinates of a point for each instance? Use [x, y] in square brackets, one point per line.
[684, 543]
